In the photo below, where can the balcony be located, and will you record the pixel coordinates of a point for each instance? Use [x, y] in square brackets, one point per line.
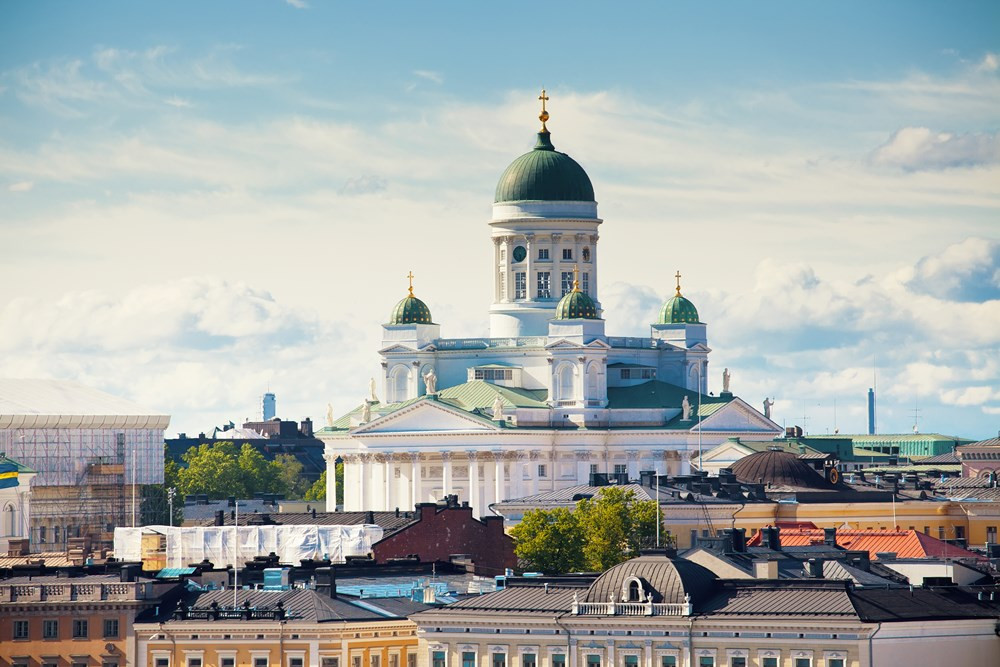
[632, 608]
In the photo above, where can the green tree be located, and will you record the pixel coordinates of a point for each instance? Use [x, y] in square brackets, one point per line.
[259, 474]
[288, 471]
[213, 470]
[550, 540]
[318, 490]
[616, 526]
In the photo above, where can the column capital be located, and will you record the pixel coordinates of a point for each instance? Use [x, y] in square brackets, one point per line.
[594, 237]
[473, 455]
[582, 455]
[414, 456]
[498, 454]
[535, 454]
[330, 458]
[632, 454]
[445, 455]
[517, 455]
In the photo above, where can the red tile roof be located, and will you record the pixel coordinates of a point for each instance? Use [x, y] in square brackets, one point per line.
[904, 543]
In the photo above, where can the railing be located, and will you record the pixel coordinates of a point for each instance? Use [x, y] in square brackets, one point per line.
[633, 342]
[70, 591]
[485, 343]
[633, 609]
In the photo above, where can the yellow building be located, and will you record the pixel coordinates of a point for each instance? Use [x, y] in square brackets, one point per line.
[299, 627]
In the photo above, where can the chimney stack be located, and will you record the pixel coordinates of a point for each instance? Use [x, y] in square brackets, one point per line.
[830, 537]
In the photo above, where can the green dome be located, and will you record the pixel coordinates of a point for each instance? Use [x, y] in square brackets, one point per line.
[678, 310]
[411, 310]
[576, 305]
[544, 174]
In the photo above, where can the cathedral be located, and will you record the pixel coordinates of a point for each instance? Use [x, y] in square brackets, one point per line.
[547, 399]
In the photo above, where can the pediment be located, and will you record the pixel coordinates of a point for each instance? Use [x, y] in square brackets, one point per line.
[563, 344]
[428, 414]
[737, 415]
[700, 347]
[599, 344]
[396, 348]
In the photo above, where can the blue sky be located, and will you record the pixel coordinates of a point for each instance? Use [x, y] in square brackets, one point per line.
[203, 200]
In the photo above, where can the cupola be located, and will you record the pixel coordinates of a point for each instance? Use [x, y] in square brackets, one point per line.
[677, 309]
[410, 310]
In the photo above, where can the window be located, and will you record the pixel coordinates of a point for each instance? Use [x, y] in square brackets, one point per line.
[631, 661]
[79, 628]
[111, 628]
[544, 285]
[803, 662]
[41, 533]
[960, 532]
[586, 254]
[50, 629]
[393, 658]
[593, 660]
[528, 660]
[941, 532]
[503, 254]
[769, 662]
[621, 468]
[437, 659]
[520, 285]
[55, 533]
[411, 660]
[567, 282]
[331, 661]
[668, 661]
[296, 662]
[227, 661]
[542, 471]
[468, 659]
[835, 662]
[161, 662]
[543, 253]
[194, 662]
[593, 468]
[558, 660]
[567, 253]
[503, 285]
[493, 374]
[375, 660]
[927, 530]
[585, 282]
[20, 629]
[737, 661]
[634, 591]
[356, 661]
[499, 660]
[991, 534]
[706, 661]
[261, 661]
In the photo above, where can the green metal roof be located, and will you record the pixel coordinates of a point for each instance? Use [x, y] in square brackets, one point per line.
[478, 394]
[657, 394]
[410, 310]
[544, 174]
[678, 310]
[576, 306]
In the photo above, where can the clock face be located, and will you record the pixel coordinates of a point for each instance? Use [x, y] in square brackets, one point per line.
[520, 253]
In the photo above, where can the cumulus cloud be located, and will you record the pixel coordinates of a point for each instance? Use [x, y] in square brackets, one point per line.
[966, 271]
[919, 148]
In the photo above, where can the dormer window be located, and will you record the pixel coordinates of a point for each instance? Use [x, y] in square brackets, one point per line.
[498, 374]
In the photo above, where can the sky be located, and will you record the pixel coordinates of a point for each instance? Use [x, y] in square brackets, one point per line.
[200, 202]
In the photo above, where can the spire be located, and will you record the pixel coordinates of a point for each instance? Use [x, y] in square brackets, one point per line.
[410, 276]
[576, 276]
[544, 116]
[678, 276]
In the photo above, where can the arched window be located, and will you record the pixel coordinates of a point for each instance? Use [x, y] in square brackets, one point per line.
[564, 383]
[632, 590]
[593, 381]
[399, 383]
[8, 523]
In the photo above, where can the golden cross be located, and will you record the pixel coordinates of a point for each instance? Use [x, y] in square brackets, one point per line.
[576, 282]
[410, 276]
[544, 116]
[678, 276]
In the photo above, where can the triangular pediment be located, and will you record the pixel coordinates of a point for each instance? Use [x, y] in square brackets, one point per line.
[737, 415]
[428, 414]
[599, 344]
[563, 344]
[396, 347]
[700, 347]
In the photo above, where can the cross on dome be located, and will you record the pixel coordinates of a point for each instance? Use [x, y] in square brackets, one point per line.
[410, 276]
[576, 276]
[544, 116]
[678, 276]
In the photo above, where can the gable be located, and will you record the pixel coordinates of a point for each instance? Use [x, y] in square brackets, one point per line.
[736, 415]
[427, 415]
[396, 347]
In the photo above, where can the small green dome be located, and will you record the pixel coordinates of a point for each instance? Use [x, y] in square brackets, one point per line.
[411, 310]
[575, 306]
[544, 174]
[678, 310]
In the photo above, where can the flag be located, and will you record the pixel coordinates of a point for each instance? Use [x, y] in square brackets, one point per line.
[8, 475]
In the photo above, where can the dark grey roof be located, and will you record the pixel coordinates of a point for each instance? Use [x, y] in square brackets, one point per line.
[880, 605]
[669, 579]
[388, 521]
[967, 488]
[523, 598]
[947, 458]
[780, 598]
[778, 468]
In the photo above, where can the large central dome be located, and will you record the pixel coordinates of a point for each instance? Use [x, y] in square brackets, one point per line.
[544, 174]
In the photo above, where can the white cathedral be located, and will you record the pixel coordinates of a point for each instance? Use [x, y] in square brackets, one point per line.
[547, 399]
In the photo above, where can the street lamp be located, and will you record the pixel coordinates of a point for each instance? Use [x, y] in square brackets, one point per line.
[171, 492]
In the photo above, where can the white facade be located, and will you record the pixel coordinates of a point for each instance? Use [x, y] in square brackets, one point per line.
[573, 400]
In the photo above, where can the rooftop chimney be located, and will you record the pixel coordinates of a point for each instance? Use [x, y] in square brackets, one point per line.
[830, 537]
[765, 569]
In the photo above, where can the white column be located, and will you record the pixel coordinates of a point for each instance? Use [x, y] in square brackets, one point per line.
[497, 295]
[446, 483]
[415, 481]
[648, 650]
[474, 500]
[517, 475]
[582, 466]
[331, 482]
[389, 472]
[529, 246]
[509, 246]
[533, 464]
[362, 481]
[593, 267]
[633, 464]
[659, 464]
[498, 478]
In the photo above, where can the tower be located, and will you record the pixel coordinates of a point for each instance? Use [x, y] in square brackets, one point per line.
[267, 405]
[544, 223]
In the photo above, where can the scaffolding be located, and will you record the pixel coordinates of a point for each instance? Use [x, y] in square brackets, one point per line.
[90, 480]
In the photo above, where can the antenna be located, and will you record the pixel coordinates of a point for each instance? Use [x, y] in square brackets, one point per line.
[916, 416]
[875, 393]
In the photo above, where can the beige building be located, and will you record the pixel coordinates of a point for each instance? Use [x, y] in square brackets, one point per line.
[662, 611]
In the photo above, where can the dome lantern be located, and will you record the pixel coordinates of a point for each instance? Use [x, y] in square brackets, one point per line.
[677, 309]
[410, 310]
[576, 305]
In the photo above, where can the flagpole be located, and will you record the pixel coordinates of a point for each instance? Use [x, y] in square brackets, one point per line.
[236, 553]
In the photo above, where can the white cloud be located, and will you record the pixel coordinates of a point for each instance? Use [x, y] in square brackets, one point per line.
[916, 148]
[298, 4]
[178, 102]
[21, 186]
[436, 77]
[989, 63]
[970, 396]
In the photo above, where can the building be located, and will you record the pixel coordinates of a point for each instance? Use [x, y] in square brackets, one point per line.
[95, 454]
[15, 503]
[289, 627]
[659, 610]
[267, 407]
[980, 459]
[73, 618]
[903, 445]
[548, 397]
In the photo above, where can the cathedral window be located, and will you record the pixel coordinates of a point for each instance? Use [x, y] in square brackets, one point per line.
[567, 253]
[520, 285]
[585, 283]
[503, 285]
[542, 472]
[543, 253]
[544, 285]
[586, 255]
[567, 282]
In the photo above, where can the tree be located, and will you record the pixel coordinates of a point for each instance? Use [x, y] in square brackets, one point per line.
[318, 490]
[616, 526]
[259, 474]
[288, 474]
[213, 470]
[550, 540]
